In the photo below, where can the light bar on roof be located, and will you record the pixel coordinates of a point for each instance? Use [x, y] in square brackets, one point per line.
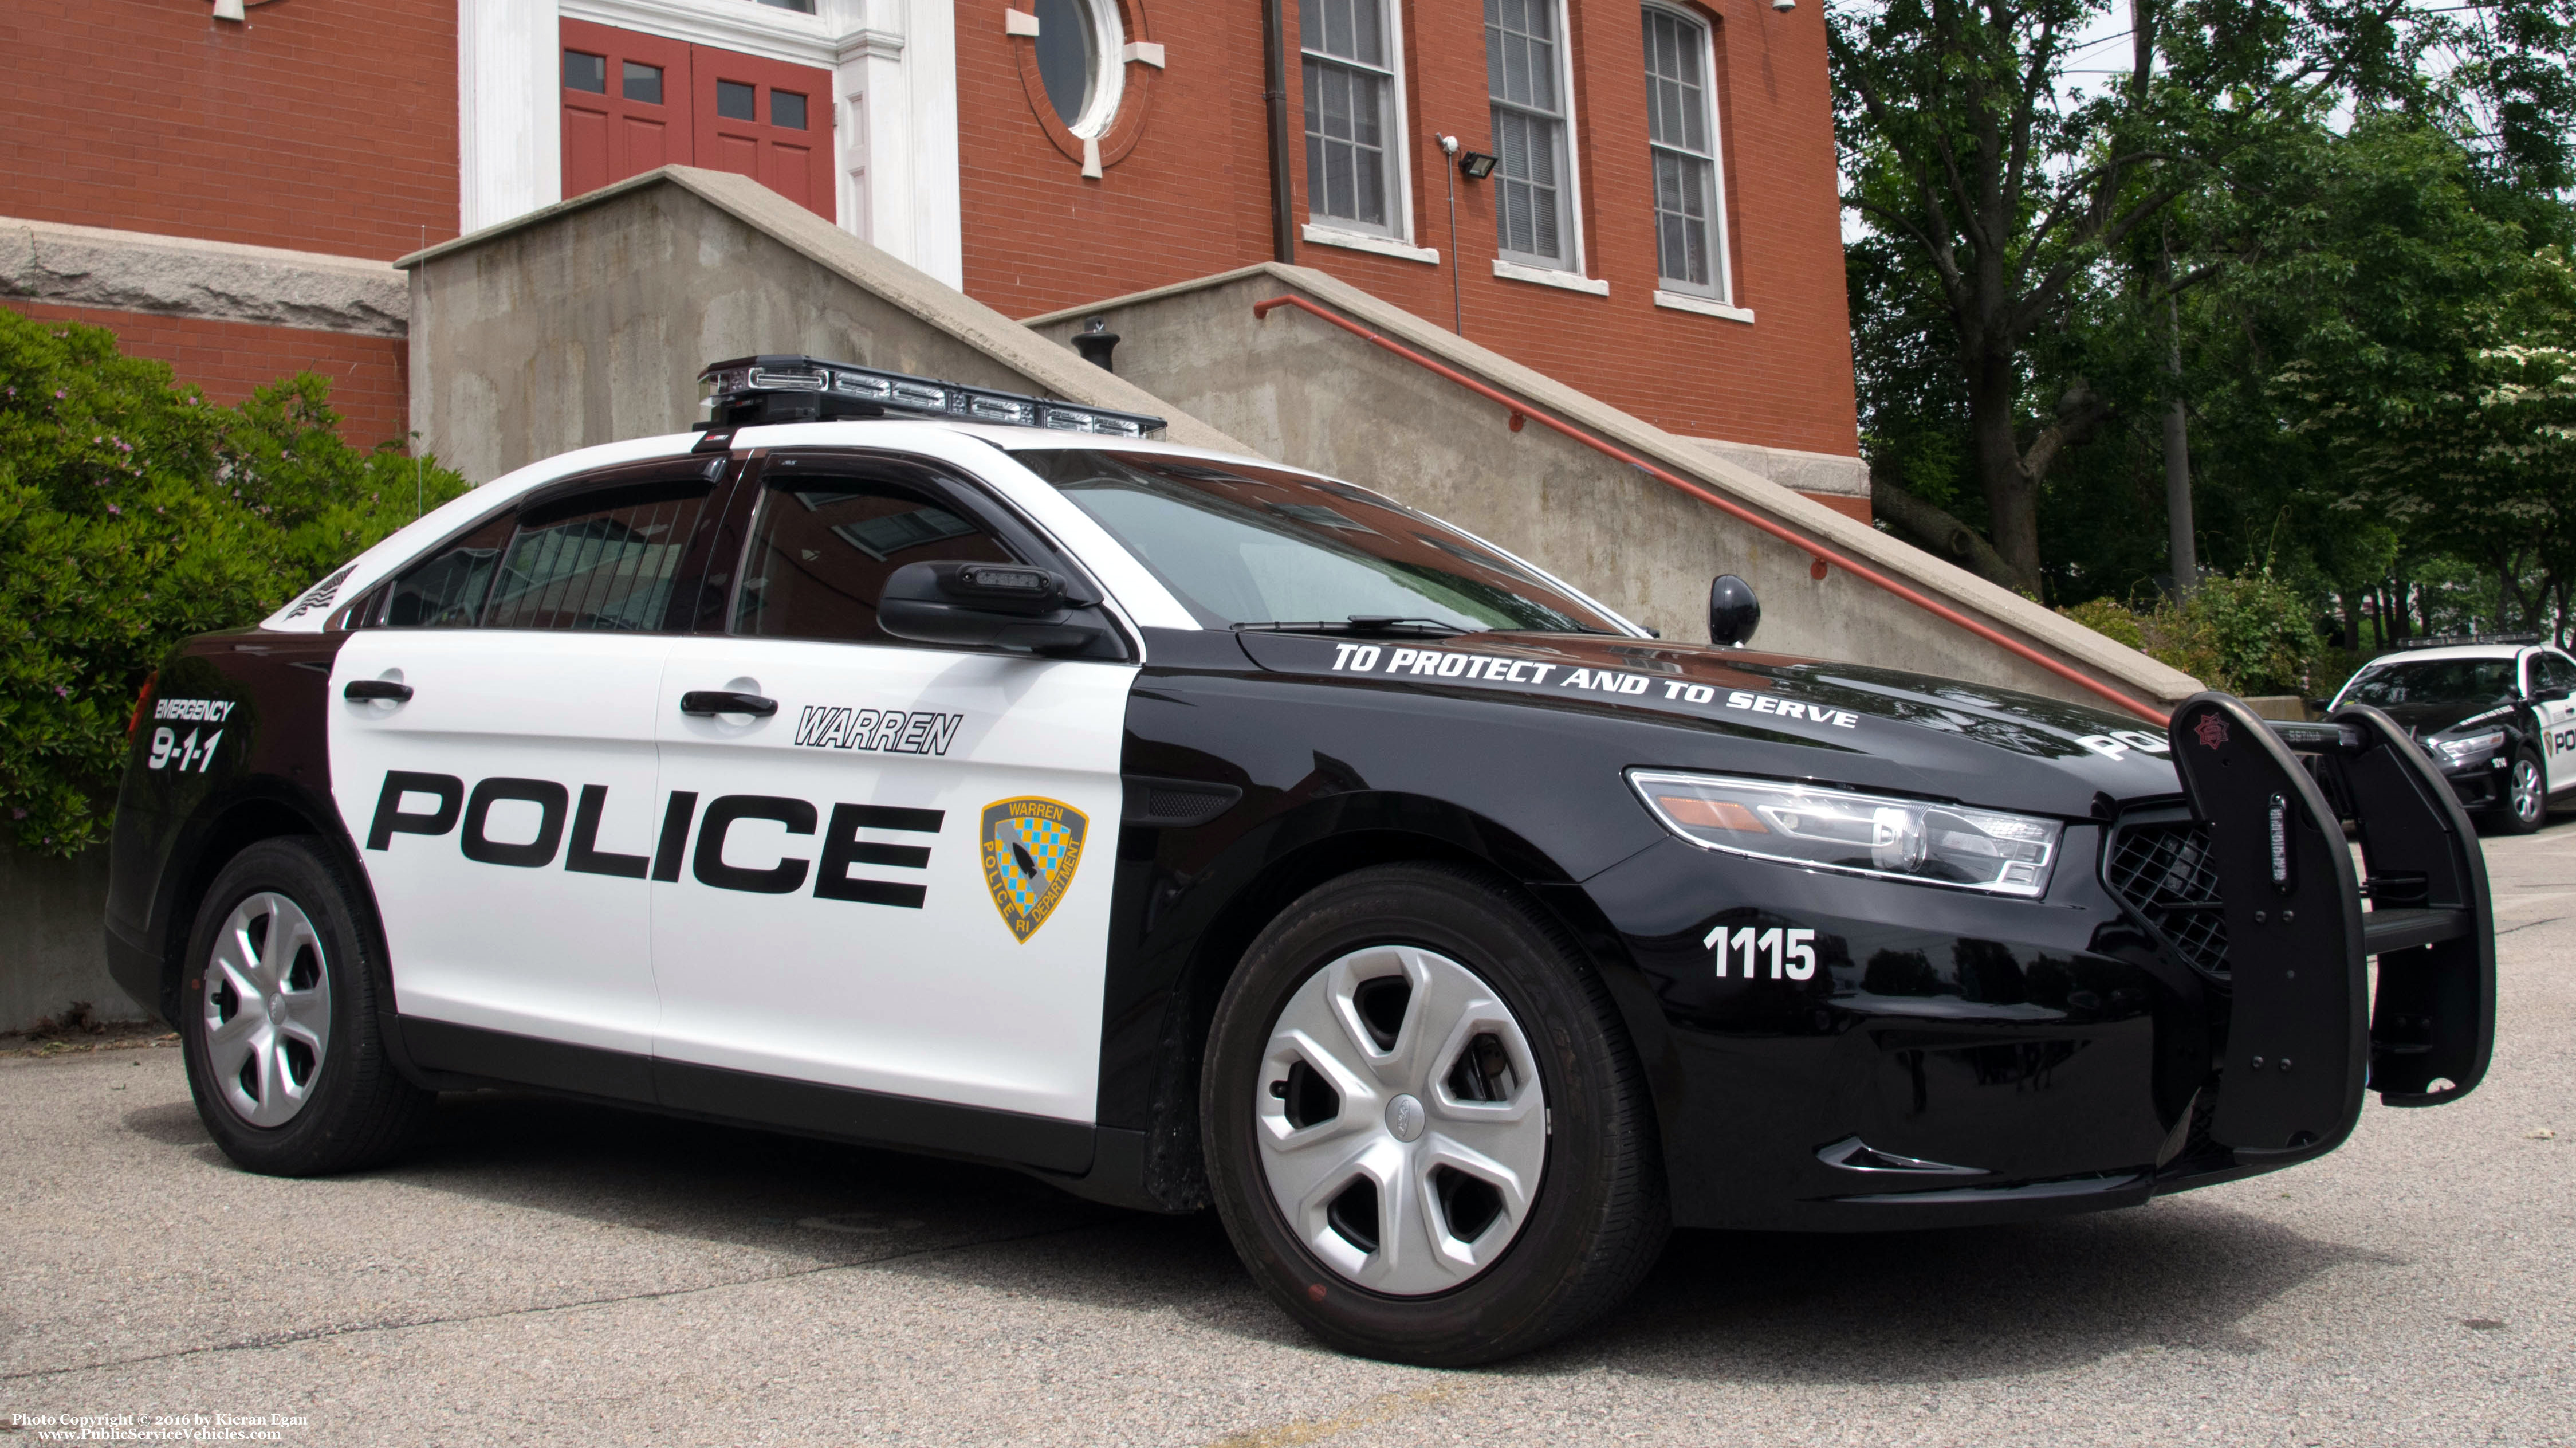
[749, 390]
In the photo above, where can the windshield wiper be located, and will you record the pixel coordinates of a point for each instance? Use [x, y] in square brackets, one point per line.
[1359, 623]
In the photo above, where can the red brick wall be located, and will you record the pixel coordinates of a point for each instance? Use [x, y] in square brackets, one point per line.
[370, 376]
[1193, 198]
[320, 125]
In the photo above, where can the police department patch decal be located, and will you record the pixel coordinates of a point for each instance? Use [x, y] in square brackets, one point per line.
[1031, 848]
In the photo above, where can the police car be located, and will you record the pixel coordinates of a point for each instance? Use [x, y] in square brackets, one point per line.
[2497, 713]
[933, 767]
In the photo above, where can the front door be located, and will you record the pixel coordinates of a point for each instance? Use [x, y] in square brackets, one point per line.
[897, 880]
[2553, 685]
[505, 810]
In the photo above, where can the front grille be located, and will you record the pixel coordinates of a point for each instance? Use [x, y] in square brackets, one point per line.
[2166, 874]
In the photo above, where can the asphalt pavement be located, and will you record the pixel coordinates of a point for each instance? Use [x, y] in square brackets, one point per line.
[550, 1273]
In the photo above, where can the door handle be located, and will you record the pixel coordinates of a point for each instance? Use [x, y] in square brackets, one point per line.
[364, 689]
[706, 703]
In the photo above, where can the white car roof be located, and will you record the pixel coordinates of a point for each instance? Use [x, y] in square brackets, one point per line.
[2455, 651]
[1143, 597]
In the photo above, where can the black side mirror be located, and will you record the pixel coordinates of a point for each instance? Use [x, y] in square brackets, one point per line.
[989, 605]
[1733, 612]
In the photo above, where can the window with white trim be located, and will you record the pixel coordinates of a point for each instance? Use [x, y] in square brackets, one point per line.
[1681, 136]
[1353, 159]
[1525, 75]
[1078, 42]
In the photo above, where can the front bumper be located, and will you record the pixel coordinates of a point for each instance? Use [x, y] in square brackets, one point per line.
[2165, 1021]
[2481, 784]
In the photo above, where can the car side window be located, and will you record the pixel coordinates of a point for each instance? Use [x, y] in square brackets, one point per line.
[822, 548]
[607, 559]
[447, 589]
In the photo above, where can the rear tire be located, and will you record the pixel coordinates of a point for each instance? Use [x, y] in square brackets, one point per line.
[2526, 797]
[1448, 1008]
[277, 1015]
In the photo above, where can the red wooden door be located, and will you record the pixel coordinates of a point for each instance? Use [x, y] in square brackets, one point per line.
[625, 105]
[632, 102]
[767, 120]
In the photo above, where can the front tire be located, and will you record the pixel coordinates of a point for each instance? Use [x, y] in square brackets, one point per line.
[1427, 1132]
[2526, 797]
[277, 1015]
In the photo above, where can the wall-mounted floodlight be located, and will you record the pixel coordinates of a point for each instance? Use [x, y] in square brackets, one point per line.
[1784, 6]
[1475, 165]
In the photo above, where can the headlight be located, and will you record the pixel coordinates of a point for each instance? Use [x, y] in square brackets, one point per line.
[2460, 751]
[1866, 834]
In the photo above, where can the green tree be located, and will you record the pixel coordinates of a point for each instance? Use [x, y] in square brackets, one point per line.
[2013, 205]
[133, 514]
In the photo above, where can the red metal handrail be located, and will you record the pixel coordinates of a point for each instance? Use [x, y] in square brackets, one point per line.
[1522, 410]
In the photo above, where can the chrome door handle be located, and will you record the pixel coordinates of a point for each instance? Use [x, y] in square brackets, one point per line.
[706, 703]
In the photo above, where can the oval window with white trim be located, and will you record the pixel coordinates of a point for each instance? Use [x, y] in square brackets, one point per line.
[1078, 43]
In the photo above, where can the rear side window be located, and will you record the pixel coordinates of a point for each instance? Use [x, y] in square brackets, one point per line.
[605, 559]
[823, 547]
[447, 589]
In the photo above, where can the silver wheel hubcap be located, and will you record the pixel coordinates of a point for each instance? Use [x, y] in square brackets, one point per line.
[2526, 789]
[268, 1009]
[1402, 1126]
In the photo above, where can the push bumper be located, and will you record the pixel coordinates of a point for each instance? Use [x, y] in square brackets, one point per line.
[2190, 1013]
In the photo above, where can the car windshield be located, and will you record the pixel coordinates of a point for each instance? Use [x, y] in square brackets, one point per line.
[1248, 547]
[2435, 681]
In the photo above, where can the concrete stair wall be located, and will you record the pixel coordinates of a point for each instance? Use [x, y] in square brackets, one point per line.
[587, 322]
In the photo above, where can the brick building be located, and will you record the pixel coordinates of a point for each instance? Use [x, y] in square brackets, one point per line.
[222, 181]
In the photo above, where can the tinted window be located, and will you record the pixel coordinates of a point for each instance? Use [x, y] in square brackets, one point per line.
[641, 82]
[447, 589]
[822, 549]
[2435, 681]
[605, 560]
[1245, 545]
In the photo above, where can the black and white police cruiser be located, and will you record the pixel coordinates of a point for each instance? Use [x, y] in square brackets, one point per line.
[933, 767]
[2497, 713]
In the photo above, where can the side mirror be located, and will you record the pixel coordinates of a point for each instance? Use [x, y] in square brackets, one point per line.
[1733, 612]
[988, 605]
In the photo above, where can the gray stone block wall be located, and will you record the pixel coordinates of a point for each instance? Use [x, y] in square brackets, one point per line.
[53, 944]
[177, 276]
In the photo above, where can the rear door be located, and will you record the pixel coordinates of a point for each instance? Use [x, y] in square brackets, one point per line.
[505, 810]
[899, 880]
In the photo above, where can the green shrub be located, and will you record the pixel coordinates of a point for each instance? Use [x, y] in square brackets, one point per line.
[2247, 634]
[133, 514]
[2110, 620]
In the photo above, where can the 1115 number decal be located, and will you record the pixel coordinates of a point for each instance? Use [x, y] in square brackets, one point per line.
[1791, 954]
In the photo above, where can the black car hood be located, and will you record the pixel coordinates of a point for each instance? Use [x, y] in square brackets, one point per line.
[2426, 720]
[1776, 715]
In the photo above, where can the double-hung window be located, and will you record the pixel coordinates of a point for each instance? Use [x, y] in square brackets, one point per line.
[1524, 73]
[1681, 134]
[1353, 160]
